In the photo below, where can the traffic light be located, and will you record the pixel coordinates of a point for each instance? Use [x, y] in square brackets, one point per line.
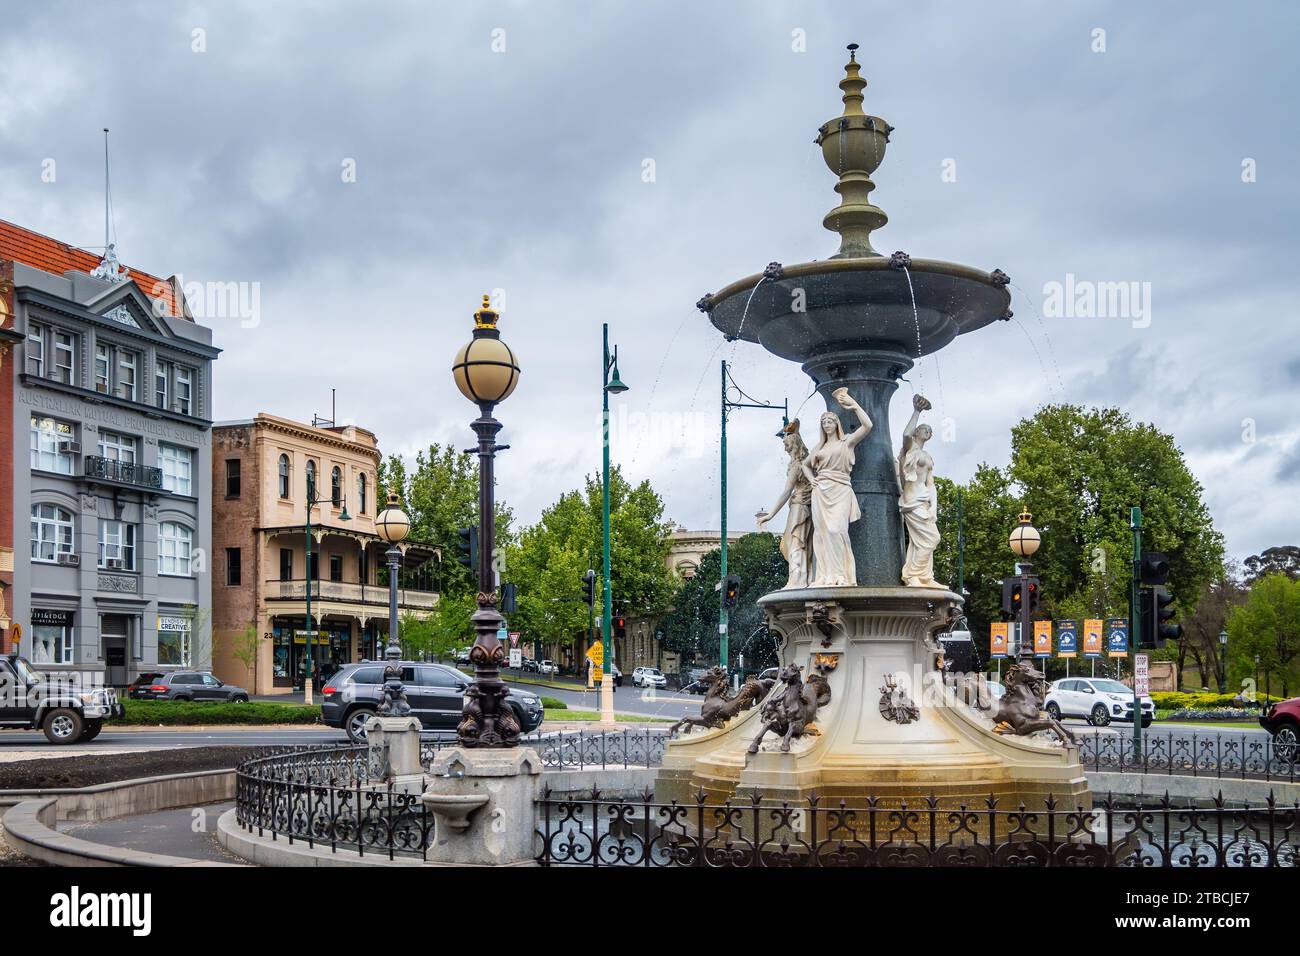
[730, 590]
[589, 588]
[1031, 586]
[467, 548]
[620, 628]
[509, 599]
[1155, 614]
[1153, 568]
[1011, 596]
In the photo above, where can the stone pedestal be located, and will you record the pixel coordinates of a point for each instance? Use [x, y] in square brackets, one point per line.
[393, 749]
[484, 804]
[860, 639]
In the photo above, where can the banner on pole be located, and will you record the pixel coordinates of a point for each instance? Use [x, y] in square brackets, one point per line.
[1067, 638]
[1042, 638]
[999, 633]
[1117, 637]
[1092, 638]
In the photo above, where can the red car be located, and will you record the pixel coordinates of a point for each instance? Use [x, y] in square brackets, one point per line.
[1282, 720]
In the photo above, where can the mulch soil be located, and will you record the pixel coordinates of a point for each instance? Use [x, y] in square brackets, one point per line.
[91, 769]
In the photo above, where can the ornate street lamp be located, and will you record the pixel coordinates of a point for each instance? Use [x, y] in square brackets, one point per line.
[1024, 541]
[393, 526]
[611, 384]
[1223, 661]
[486, 372]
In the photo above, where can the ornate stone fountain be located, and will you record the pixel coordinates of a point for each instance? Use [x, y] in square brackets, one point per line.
[856, 323]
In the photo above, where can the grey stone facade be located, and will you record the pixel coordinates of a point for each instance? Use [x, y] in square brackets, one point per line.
[113, 477]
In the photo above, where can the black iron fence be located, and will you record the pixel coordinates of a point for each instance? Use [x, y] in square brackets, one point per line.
[589, 830]
[1183, 752]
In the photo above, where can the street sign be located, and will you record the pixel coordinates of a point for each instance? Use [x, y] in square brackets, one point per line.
[1042, 638]
[1117, 637]
[516, 658]
[1067, 638]
[596, 654]
[514, 639]
[1092, 638]
[998, 636]
[1141, 674]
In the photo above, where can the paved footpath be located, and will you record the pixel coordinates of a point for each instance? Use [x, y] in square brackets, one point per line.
[189, 832]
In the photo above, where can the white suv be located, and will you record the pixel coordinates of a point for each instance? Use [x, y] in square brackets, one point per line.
[1099, 700]
[547, 667]
[648, 677]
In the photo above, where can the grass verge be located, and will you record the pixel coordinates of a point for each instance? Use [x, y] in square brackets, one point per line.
[592, 715]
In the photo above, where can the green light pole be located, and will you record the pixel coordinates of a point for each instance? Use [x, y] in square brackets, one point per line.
[610, 384]
[1135, 623]
[724, 613]
[312, 501]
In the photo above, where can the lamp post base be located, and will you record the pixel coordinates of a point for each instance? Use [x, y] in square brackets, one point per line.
[607, 699]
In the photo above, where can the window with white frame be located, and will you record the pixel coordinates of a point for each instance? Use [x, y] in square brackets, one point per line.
[116, 545]
[103, 368]
[162, 384]
[177, 464]
[184, 389]
[35, 349]
[52, 644]
[117, 447]
[175, 542]
[284, 476]
[361, 492]
[52, 445]
[65, 358]
[128, 366]
[52, 532]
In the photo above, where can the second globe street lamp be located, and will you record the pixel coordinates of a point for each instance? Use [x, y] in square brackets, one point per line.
[1024, 541]
[611, 384]
[486, 373]
[393, 526]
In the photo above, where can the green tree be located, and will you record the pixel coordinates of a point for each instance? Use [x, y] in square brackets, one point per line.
[549, 559]
[691, 627]
[440, 494]
[1267, 626]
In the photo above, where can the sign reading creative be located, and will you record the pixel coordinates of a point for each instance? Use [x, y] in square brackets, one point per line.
[1092, 638]
[1067, 638]
[999, 634]
[1117, 637]
[1042, 638]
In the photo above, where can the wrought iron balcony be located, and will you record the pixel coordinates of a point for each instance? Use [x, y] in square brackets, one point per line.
[123, 472]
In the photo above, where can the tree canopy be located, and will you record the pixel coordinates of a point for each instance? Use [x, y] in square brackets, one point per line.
[1267, 627]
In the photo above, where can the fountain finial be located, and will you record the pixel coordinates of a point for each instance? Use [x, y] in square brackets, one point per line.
[853, 145]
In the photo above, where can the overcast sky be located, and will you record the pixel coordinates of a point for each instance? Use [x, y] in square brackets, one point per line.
[504, 146]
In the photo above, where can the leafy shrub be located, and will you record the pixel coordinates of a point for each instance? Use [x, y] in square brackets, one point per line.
[1177, 700]
[190, 713]
[550, 703]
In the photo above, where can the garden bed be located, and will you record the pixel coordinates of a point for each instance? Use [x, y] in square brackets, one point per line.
[89, 770]
[153, 713]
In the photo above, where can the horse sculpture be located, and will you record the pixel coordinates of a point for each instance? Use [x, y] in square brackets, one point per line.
[1019, 710]
[719, 706]
[791, 712]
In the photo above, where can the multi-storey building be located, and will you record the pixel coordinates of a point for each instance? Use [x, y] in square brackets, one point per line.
[262, 471]
[112, 405]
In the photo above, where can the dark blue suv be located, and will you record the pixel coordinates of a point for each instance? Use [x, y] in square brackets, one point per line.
[436, 693]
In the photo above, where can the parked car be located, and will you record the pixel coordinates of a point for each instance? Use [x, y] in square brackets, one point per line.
[187, 685]
[771, 673]
[1098, 700]
[67, 714]
[530, 665]
[436, 693]
[648, 677]
[617, 675]
[1282, 720]
[548, 667]
[694, 680]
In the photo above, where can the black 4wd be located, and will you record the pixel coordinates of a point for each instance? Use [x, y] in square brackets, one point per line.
[67, 711]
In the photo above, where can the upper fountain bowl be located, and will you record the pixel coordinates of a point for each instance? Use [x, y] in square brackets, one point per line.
[814, 309]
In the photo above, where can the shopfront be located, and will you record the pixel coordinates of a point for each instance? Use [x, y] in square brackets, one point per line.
[53, 637]
[175, 640]
[329, 644]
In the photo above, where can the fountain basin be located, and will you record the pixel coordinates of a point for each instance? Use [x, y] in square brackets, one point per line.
[818, 308]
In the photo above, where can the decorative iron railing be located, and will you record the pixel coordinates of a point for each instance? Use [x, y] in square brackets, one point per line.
[128, 473]
[1187, 752]
[588, 830]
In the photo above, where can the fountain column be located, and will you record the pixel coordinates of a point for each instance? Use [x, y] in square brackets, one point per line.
[871, 376]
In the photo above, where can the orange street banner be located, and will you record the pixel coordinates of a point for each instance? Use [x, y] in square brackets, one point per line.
[999, 634]
[1042, 638]
[1092, 638]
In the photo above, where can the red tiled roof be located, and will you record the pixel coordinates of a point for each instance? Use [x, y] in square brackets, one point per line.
[49, 255]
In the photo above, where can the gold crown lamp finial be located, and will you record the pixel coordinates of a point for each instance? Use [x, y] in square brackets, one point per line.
[486, 317]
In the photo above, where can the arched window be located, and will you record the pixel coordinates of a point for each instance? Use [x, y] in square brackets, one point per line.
[284, 476]
[336, 487]
[52, 532]
[361, 491]
[175, 542]
[311, 480]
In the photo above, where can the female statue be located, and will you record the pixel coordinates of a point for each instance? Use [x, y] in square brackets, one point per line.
[834, 502]
[796, 540]
[917, 501]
